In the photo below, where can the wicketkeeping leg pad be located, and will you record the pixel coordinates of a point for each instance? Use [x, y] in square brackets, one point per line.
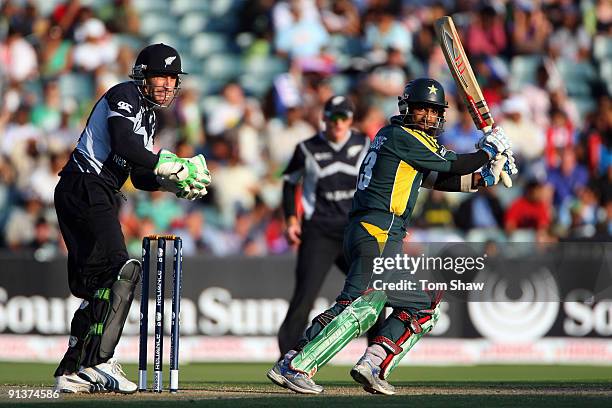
[354, 320]
[121, 295]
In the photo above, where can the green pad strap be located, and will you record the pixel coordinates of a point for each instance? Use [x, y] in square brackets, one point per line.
[97, 329]
[103, 294]
[412, 340]
[355, 320]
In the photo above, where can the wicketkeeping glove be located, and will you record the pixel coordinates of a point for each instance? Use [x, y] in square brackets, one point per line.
[174, 168]
[510, 169]
[492, 171]
[203, 177]
[192, 193]
[169, 185]
[493, 142]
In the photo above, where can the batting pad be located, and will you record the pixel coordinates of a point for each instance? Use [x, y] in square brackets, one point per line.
[355, 320]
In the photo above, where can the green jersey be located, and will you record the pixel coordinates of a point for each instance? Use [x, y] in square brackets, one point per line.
[392, 172]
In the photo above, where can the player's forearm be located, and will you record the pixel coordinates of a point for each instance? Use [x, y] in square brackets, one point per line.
[457, 183]
[144, 179]
[468, 163]
[129, 145]
[288, 200]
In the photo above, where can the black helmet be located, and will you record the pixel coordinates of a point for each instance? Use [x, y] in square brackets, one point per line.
[423, 91]
[157, 59]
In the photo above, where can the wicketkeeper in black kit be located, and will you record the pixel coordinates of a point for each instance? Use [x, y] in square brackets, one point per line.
[117, 142]
[327, 166]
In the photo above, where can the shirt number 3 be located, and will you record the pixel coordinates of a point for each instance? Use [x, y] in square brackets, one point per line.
[366, 174]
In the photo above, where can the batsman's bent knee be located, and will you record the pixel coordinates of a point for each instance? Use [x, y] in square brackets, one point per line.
[353, 321]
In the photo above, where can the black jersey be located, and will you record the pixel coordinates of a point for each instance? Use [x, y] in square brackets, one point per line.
[329, 176]
[118, 137]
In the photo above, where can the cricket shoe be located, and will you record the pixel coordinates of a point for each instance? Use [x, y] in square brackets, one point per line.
[367, 374]
[72, 383]
[282, 374]
[109, 376]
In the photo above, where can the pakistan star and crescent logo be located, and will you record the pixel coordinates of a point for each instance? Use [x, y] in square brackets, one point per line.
[433, 90]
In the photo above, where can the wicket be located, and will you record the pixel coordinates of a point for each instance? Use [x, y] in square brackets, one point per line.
[159, 312]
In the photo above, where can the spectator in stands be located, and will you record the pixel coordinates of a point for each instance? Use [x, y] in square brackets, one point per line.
[18, 59]
[20, 227]
[231, 111]
[597, 139]
[56, 55]
[486, 35]
[8, 194]
[283, 135]
[384, 32]
[571, 39]
[238, 185]
[435, 212]
[463, 135]
[530, 28]
[190, 115]
[120, 16]
[45, 177]
[603, 14]
[303, 37]
[568, 178]
[527, 139]
[45, 239]
[94, 47]
[537, 97]
[22, 143]
[480, 210]
[370, 121]
[162, 209]
[341, 17]
[48, 114]
[387, 80]
[531, 211]
[559, 135]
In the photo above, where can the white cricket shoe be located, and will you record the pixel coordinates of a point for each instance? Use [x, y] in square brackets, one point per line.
[281, 374]
[110, 376]
[366, 373]
[72, 383]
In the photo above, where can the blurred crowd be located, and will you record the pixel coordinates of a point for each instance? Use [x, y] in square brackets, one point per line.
[260, 72]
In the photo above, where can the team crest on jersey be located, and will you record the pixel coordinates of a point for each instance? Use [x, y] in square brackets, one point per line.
[353, 151]
[442, 151]
[125, 106]
[378, 142]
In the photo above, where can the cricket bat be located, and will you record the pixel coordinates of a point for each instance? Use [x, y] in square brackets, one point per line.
[462, 72]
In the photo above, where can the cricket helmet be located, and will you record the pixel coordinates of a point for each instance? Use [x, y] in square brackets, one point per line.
[423, 92]
[157, 59]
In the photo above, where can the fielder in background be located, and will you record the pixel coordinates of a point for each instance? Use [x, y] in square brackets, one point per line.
[327, 166]
[117, 142]
[403, 157]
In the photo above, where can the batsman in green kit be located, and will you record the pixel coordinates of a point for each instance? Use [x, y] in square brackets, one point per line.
[403, 157]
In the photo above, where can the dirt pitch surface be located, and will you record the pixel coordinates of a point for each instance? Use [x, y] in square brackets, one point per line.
[237, 385]
[338, 395]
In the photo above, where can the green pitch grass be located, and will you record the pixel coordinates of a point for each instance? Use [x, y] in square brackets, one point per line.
[245, 385]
